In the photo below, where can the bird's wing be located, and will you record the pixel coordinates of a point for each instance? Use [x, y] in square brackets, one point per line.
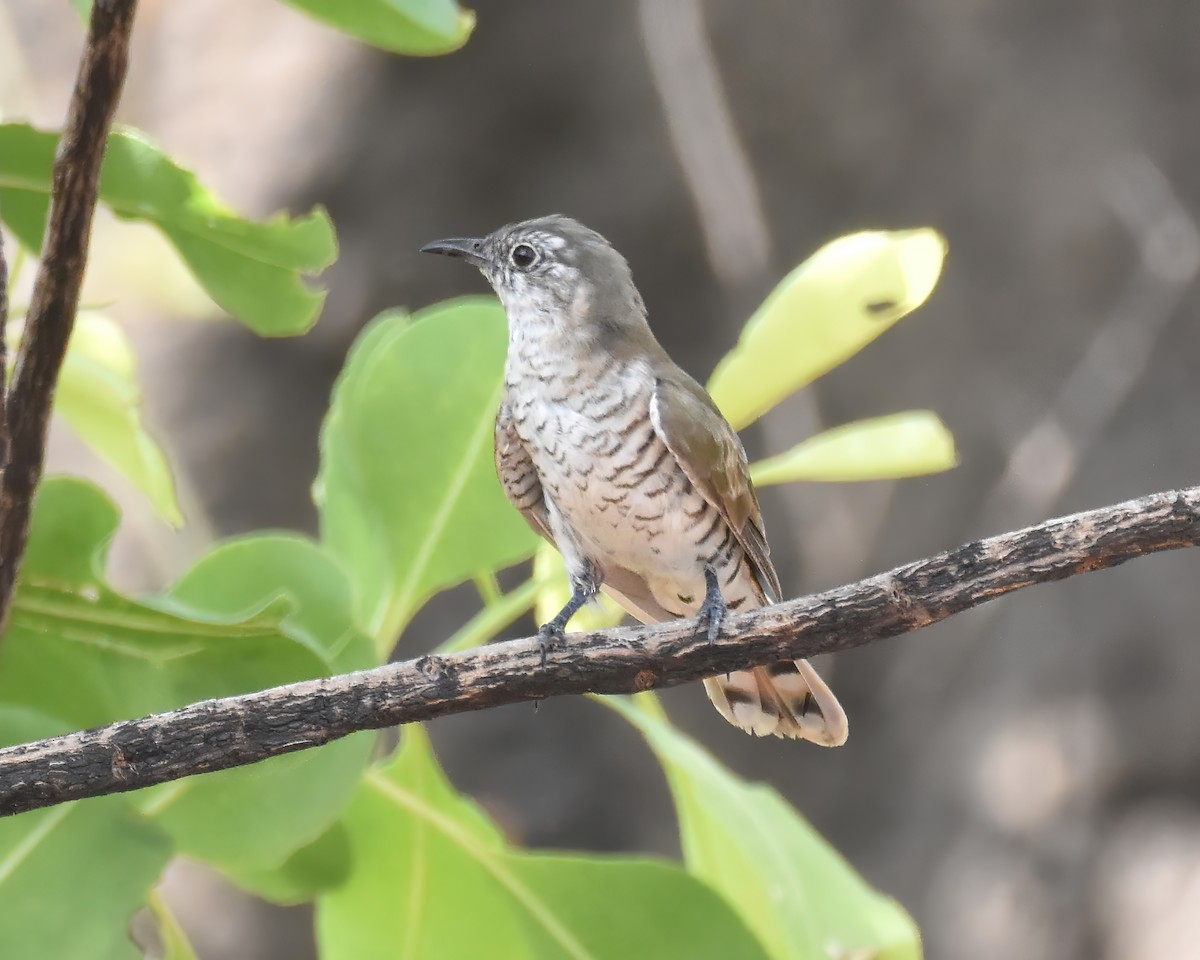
[518, 476]
[712, 456]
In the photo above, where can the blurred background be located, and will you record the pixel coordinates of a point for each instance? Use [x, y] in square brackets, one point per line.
[1024, 778]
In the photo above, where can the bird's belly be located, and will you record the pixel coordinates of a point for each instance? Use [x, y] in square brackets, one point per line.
[648, 520]
[636, 531]
[668, 552]
[615, 484]
[621, 500]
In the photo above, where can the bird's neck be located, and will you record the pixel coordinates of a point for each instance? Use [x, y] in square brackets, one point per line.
[543, 352]
[581, 342]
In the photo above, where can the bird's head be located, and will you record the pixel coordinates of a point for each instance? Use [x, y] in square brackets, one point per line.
[554, 269]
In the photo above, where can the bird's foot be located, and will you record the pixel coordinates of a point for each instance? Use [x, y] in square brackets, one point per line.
[712, 611]
[554, 631]
[550, 634]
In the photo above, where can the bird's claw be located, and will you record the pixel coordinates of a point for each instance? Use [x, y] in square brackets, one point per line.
[712, 611]
[709, 620]
[582, 590]
[549, 634]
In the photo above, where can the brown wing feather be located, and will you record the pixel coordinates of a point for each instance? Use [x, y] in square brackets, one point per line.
[787, 699]
[518, 476]
[712, 456]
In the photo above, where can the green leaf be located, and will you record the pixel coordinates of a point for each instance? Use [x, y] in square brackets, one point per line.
[311, 870]
[72, 525]
[23, 211]
[422, 854]
[97, 395]
[71, 876]
[257, 818]
[793, 890]
[256, 271]
[619, 908]
[246, 573]
[907, 444]
[822, 313]
[407, 490]
[419, 27]
[80, 650]
[248, 617]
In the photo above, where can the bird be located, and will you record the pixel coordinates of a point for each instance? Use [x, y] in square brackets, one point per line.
[622, 461]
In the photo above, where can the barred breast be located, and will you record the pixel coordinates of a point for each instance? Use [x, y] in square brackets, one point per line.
[613, 489]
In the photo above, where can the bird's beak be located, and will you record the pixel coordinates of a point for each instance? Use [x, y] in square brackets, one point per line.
[465, 248]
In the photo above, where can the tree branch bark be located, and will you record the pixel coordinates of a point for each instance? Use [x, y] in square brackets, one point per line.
[231, 732]
[51, 314]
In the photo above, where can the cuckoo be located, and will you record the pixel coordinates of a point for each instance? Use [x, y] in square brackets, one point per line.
[624, 463]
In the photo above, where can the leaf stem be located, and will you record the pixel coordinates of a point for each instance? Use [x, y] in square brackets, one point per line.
[489, 587]
[20, 254]
[493, 618]
[172, 933]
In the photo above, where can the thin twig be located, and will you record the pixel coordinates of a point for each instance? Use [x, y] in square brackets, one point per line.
[51, 315]
[231, 732]
[1044, 462]
[718, 173]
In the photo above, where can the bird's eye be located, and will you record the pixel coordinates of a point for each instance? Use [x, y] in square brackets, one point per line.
[523, 256]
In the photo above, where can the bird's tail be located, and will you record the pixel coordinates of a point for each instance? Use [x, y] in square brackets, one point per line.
[786, 699]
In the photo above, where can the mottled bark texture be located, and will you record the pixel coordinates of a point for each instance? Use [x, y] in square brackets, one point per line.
[231, 732]
[51, 315]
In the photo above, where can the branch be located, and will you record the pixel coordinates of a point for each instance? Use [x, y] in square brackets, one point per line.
[716, 169]
[51, 313]
[234, 731]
